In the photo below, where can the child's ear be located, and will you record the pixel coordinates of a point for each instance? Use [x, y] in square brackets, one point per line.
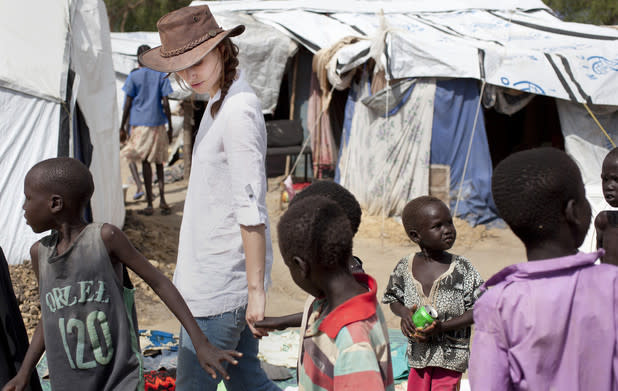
[56, 203]
[577, 214]
[303, 267]
[413, 234]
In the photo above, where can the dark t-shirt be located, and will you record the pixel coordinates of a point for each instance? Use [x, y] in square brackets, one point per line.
[13, 336]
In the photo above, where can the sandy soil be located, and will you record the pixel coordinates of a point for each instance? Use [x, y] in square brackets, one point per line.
[379, 244]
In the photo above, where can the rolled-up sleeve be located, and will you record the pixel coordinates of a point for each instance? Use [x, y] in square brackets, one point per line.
[244, 142]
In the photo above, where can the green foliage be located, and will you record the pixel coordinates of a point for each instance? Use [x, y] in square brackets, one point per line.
[139, 15]
[603, 12]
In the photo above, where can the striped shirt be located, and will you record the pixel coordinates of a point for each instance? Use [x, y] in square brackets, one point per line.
[347, 349]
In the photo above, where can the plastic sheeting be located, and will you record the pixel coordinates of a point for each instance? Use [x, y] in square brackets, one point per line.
[34, 53]
[30, 119]
[30, 136]
[96, 95]
[518, 45]
[384, 160]
[588, 146]
[455, 106]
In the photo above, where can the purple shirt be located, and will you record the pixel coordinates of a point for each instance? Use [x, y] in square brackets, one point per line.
[547, 325]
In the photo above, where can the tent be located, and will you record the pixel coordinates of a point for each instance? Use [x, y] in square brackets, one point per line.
[58, 97]
[447, 64]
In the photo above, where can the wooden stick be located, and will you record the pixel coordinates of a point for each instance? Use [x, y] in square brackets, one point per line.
[187, 131]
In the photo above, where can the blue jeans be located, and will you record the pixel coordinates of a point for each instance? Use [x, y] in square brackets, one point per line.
[227, 331]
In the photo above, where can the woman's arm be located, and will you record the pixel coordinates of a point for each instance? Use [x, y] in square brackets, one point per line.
[254, 243]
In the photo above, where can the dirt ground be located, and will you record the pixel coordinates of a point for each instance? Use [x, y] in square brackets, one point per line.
[379, 244]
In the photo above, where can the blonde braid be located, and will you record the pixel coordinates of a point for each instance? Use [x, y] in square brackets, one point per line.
[230, 63]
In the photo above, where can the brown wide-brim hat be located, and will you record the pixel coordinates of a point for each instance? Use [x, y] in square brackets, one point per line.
[187, 35]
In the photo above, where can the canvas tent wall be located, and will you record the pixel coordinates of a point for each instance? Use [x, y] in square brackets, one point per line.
[509, 44]
[58, 98]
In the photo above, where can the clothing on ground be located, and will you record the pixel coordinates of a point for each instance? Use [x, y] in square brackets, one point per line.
[548, 325]
[452, 294]
[347, 348]
[147, 143]
[227, 188]
[147, 87]
[88, 316]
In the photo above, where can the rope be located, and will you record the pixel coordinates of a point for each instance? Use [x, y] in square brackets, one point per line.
[599, 125]
[463, 174]
[386, 115]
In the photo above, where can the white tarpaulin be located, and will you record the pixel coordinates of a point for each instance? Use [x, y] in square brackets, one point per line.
[34, 56]
[263, 55]
[32, 94]
[29, 134]
[397, 168]
[588, 146]
[515, 44]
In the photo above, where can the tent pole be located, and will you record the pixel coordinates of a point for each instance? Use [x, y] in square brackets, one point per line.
[187, 132]
[293, 96]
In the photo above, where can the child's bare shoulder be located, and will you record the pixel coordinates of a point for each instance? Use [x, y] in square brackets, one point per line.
[600, 222]
[606, 219]
[110, 232]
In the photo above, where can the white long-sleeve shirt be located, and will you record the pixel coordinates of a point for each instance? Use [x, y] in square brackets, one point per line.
[227, 188]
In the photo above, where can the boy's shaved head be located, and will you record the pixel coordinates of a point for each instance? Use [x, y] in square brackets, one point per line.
[531, 190]
[413, 211]
[337, 193]
[316, 229]
[64, 176]
[612, 155]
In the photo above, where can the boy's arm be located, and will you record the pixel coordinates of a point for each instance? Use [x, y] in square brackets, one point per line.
[119, 247]
[168, 114]
[600, 224]
[437, 327]
[37, 344]
[280, 322]
[405, 313]
[125, 116]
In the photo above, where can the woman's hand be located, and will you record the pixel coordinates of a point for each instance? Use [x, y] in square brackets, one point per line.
[255, 311]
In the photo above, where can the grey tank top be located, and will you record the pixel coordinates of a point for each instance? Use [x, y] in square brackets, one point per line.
[88, 316]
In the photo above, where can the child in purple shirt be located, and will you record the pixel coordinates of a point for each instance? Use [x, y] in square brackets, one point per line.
[551, 323]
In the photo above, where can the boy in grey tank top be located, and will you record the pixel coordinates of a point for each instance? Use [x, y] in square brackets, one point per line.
[88, 326]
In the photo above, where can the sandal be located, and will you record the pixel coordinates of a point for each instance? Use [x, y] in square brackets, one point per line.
[147, 211]
[138, 195]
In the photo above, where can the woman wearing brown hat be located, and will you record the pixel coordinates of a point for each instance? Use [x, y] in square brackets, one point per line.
[224, 251]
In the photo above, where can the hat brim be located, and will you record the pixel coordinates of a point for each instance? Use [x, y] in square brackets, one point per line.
[153, 59]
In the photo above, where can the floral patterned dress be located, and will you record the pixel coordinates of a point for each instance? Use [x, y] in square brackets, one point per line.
[452, 294]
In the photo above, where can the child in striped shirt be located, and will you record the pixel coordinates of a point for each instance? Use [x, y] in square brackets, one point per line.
[346, 344]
